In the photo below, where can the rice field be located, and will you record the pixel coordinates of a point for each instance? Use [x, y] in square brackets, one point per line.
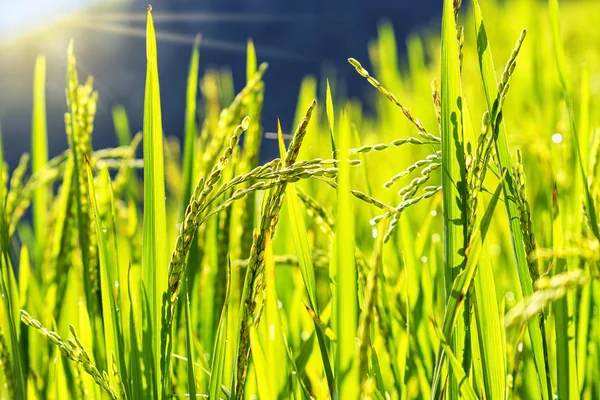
[444, 245]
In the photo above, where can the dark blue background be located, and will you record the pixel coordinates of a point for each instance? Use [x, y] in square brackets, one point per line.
[297, 38]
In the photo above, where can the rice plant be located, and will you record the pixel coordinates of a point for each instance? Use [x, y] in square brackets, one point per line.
[445, 245]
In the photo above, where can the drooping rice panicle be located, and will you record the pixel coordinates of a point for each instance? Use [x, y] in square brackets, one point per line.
[255, 268]
[430, 139]
[437, 102]
[73, 350]
[547, 291]
[79, 121]
[476, 174]
[526, 222]
[429, 160]
[121, 386]
[244, 213]
[375, 83]
[320, 260]
[188, 227]
[16, 188]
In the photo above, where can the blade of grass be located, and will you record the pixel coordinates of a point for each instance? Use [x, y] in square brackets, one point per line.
[463, 281]
[464, 388]
[305, 261]
[265, 391]
[564, 325]
[486, 64]
[346, 305]
[453, 179]
[135, 358]
[489, 329]
[39, 155]
[330, 117]
[220, 349]
[188, 346]
[5, 270]
[121, 123]
[272, 338]
[113, 338]
[154, 257]
[190, 129]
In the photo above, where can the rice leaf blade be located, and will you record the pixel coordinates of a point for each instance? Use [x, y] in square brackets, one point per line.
[453, 179]
[346, 307]
[154, 251]
[488, 76]
[39, 153]
[190, 128]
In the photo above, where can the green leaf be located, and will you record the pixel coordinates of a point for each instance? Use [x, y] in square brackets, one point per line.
[464, 388]
[220, 348]
[188, 346]
[330, 117]
[39, 154]
[305, 261]
[6, 293]
[346, 305]
[486, 65]
[154, 257]
[564, 325]
[109, 285]
[121, 123]
[453, 176]
[189, 141]
[463, 281]
[250, 61]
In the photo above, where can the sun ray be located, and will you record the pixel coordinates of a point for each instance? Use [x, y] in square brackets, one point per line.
[219, 44]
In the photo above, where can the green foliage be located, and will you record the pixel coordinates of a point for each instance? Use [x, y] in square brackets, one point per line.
[373, 259]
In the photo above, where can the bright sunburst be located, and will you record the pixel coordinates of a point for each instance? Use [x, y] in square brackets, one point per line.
[21, 17]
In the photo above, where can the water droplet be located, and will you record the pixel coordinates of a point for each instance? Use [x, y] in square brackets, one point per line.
[117, 309]
[304, 336]
[433, 213]
[104, 229]
[293, 372]
[520, 347]
[435, 238]
[424, 259]
[374, 233]
[279, 304]
[557, 138]
[116, 284]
